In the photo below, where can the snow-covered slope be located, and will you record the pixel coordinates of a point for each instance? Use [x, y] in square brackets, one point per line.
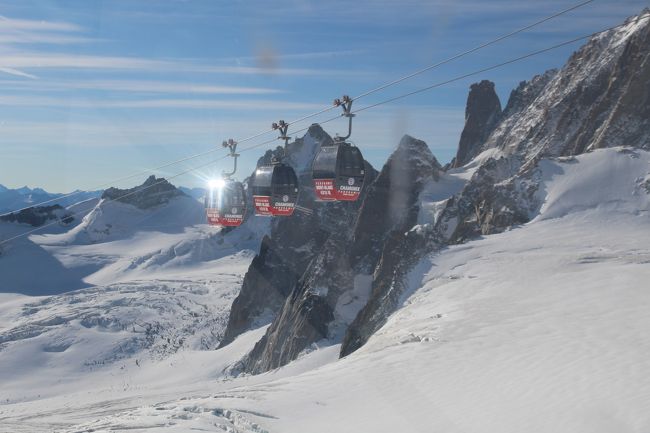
[118, 242]
[539, 329]
[616, 180]
[112, 220]
[26, 267]
[507, 294]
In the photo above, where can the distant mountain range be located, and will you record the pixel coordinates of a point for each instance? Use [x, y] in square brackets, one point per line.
[14, 199]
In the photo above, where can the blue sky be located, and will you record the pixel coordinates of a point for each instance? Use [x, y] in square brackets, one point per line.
[95, 90]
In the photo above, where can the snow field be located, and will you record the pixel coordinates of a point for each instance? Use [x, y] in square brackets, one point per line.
[542, 328]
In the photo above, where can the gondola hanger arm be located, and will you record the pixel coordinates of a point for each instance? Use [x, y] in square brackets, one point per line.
[346, 104]
[283, 127]
[232, 146]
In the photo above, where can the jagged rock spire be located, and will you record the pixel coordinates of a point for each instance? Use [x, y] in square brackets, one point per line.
[482, 113]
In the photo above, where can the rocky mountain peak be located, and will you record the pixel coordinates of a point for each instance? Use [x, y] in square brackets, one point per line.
[482, 112]
[293, 242]
[330, 292]
[346, 267]
[598, 99]
[153, 192]
[317, 132]
[390, 196]
[301, 150]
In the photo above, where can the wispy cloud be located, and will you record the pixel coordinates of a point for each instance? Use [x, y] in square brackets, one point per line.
[35, 38]
[163, 103]
[135, 86]
[270, 70]
[70, 61]
[93, 131]
[16, 34]
[16, 72]
[22, 31]
[7, 23]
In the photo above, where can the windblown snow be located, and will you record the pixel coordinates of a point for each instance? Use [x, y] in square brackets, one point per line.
[542, 328]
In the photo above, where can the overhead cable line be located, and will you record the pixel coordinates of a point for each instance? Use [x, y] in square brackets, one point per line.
[472, 50]
[490, 68]
[405, 95]
[324, 110]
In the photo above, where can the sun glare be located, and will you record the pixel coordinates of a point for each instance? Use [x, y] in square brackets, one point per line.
[216, 183]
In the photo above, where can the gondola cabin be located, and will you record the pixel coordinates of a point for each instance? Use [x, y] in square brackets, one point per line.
[275, 190]
[225, 203]
[338, 172]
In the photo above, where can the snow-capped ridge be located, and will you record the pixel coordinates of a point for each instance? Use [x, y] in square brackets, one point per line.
[153, 192]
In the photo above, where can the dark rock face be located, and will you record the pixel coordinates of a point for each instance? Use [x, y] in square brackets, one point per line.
[526, 92]
[390, 204]
[265, 287]
[401, 251]
[303, 320]
[629, 93]
[482, 113]
[326, 299]
[39, 215]
[304, 317]
[293, 242]
[384, 243]
[598, 99]
[488, 204]
[153, 192]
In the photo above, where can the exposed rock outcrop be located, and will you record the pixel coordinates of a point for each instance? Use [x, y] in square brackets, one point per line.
[482, 113]
[293, 242]
[39, 215]
[153, 192]
[336, 284]
[385, 245]
[598, 99]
